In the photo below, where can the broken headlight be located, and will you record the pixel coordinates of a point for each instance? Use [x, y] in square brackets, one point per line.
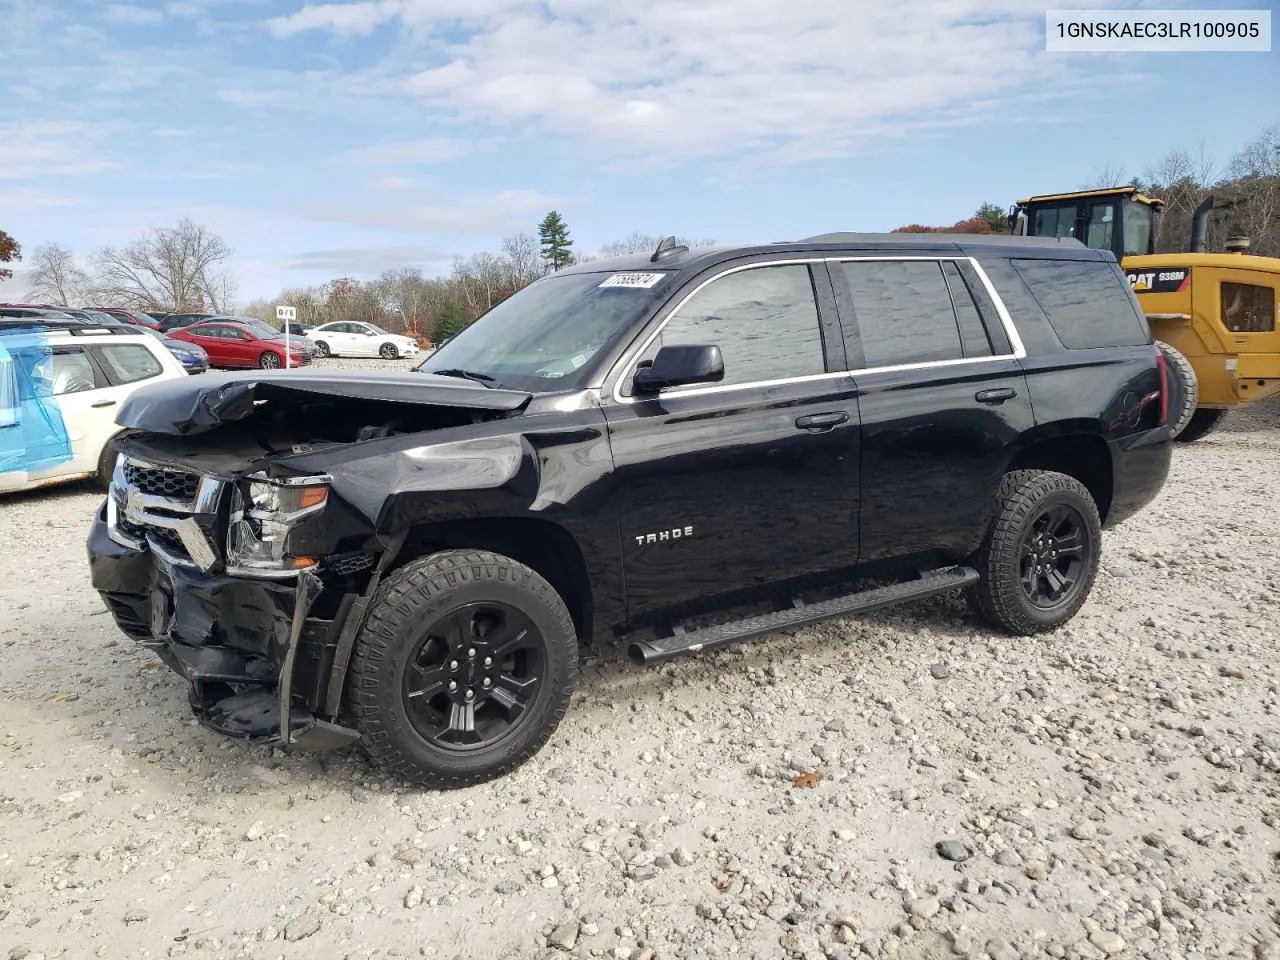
[262, 516]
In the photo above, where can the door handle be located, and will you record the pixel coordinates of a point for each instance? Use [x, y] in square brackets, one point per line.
[103, 403]
[998, 395]
[822, 421]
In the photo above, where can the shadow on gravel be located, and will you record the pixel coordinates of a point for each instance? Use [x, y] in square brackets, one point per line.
[124, 698]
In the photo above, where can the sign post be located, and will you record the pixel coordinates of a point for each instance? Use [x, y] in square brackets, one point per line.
[287, 315]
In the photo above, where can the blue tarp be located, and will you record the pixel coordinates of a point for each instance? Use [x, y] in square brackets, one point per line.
[33, 435]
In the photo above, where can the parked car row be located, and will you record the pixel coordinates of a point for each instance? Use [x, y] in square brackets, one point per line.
[190, 355]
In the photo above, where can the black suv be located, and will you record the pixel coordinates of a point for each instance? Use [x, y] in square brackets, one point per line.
[685, 449]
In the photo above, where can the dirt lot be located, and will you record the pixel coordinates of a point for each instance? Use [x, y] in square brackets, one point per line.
[1113, 789]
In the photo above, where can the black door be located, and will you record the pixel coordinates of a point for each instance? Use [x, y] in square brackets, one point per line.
[730, 486]
[941, 398]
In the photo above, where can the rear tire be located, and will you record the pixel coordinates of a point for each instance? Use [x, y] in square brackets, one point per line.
[1202, 423]
[1040, 556]
[1185, 388]
[451, 624]
[322, 349]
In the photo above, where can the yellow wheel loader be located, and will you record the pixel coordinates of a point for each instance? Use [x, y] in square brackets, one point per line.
[1214, 314]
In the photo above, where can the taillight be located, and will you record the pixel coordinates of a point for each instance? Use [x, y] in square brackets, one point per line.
[1163, 366]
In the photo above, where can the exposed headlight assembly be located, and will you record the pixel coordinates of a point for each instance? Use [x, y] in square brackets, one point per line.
[260, 524]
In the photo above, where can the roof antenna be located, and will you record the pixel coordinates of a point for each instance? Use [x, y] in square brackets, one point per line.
[668, 248]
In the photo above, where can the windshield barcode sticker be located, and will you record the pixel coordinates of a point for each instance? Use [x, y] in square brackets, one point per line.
[641, 280]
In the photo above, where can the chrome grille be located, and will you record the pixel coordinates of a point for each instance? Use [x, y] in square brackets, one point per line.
[168, 510]
[161, 481]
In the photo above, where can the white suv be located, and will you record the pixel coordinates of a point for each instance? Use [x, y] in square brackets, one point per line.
[61, 383]
[351, 338]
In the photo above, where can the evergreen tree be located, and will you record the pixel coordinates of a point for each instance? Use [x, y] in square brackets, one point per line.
[451, 321]
[557, 247]
[996, 218]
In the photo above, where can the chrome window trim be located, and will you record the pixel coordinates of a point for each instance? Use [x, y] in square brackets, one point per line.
[1019, 350]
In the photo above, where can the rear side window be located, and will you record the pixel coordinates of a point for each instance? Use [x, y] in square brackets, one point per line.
[1248, 308]
[73, 373]
[128, 363]
[904, 311]
[1088, 303]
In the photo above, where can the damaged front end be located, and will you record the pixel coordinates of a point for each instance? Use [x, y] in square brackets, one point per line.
[242, 564]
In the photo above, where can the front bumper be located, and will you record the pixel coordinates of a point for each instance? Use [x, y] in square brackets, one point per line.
[250, 649]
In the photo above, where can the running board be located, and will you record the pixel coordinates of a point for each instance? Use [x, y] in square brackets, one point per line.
[801, 614]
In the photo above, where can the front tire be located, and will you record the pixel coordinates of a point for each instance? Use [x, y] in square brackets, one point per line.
[322, 349]
[1040, 556]
[1202, 423]
[107, 463]
[388, 351]
[270, 361]
[463, 669]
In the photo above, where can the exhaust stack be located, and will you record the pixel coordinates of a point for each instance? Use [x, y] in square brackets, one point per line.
[1199, 225]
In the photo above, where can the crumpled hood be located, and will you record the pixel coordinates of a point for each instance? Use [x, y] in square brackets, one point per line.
[190, 405]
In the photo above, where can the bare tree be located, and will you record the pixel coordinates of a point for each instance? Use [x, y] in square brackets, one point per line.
[180, 268]
[1110, 175]
[523, 259]
[637, 242]
[1256, 172]
[55, 278]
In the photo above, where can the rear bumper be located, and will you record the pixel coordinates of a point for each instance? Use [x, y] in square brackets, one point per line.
[249, 649]
[1141, 468]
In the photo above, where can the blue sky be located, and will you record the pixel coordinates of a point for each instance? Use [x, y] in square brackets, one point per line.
[342, 138]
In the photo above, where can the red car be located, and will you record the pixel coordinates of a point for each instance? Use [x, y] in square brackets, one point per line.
[243, 343]
[130, 316]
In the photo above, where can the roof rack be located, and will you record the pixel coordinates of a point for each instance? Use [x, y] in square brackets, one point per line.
[74, 327]
[918, 239]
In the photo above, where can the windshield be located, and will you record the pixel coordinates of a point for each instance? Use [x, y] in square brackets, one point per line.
[377, 329]
[545, 336]
[260, 328]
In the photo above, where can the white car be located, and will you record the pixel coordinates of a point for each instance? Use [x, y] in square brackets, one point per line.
[61, 384]
[351, 338]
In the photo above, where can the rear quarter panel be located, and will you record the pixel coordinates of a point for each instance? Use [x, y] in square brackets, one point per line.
[1108, 392]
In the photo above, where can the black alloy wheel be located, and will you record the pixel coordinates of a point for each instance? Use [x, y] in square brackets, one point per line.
[1055, 555]
[474, 674]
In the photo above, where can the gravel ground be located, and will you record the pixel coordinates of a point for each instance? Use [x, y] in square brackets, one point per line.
[908, 784]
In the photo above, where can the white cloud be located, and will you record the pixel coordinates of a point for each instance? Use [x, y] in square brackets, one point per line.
[348, 19]
[420, 210]
[425, 150]
[187, 11]
[366, 260]
[717, 78]
[130, 14]
[51, 148]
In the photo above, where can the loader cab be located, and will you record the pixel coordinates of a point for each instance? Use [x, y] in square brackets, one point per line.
[1119, 219]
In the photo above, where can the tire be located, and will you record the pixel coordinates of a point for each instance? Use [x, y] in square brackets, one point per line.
[410, 640]
[270, 361]
[107, 463]
[321, 349]
[1026, 502]
[388, 351]
[1203, 422]
[1184, 391]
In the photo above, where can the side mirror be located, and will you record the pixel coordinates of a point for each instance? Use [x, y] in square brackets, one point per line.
[680, 366]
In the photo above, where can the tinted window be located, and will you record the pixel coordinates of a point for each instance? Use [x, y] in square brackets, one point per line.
[973, 335]
[1055, 221]
[1248, 308]
[73, 373]
[764, 320]
[904, 312]
[1088, 302]
[128, 363]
